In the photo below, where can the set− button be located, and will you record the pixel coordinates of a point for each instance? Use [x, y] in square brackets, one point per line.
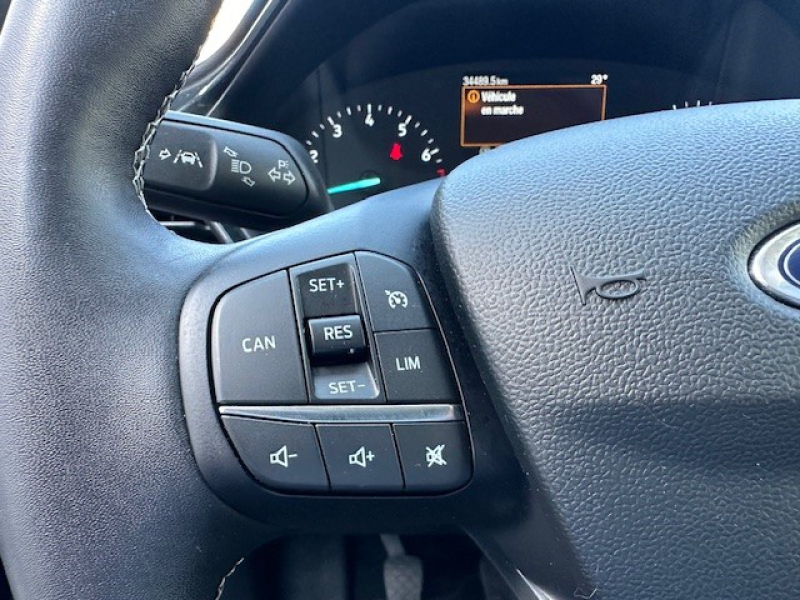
[345, 384]
[415, 367]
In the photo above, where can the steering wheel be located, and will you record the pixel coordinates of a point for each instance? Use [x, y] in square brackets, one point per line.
[632, 395]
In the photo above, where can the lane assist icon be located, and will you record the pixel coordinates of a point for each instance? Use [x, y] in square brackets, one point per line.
[188, 157]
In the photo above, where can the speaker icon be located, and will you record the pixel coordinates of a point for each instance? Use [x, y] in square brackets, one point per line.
[360, 457]
[281, 457]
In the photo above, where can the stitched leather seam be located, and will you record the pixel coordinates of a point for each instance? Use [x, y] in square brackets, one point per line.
[143, 152]
[221, 587]
[139, 159]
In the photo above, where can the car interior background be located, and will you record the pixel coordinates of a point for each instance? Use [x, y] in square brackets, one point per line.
[309, 107]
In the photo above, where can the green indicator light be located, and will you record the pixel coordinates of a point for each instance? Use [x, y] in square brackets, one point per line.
[361, 184]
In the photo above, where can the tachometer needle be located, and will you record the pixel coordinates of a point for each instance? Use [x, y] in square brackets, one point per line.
[361, 184]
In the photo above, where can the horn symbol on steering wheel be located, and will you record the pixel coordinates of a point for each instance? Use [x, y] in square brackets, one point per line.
[615, 287]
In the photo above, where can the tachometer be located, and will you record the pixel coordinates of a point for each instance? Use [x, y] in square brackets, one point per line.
[368, 148]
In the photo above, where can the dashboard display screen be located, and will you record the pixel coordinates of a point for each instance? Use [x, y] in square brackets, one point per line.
[497, 114]
[419, 125]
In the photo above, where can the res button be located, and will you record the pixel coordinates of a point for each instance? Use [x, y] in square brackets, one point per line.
[339, 339]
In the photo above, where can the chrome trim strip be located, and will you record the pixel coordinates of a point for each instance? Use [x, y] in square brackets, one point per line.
[765, 267]
[385, 413]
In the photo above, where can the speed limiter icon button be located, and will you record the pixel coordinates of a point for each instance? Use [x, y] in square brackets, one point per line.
[416, 367]
[395, 298]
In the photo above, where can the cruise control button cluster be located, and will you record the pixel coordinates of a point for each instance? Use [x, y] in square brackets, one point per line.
[350, 330]
[340, 365]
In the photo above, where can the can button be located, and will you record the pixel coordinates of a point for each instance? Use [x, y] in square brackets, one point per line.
[255, 346]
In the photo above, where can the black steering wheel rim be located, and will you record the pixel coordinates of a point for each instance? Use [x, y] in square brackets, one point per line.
[92, 503]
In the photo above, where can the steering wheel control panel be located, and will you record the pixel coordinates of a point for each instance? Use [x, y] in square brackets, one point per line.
[333, 376]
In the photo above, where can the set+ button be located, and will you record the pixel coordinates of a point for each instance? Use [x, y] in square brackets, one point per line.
[328, 290]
